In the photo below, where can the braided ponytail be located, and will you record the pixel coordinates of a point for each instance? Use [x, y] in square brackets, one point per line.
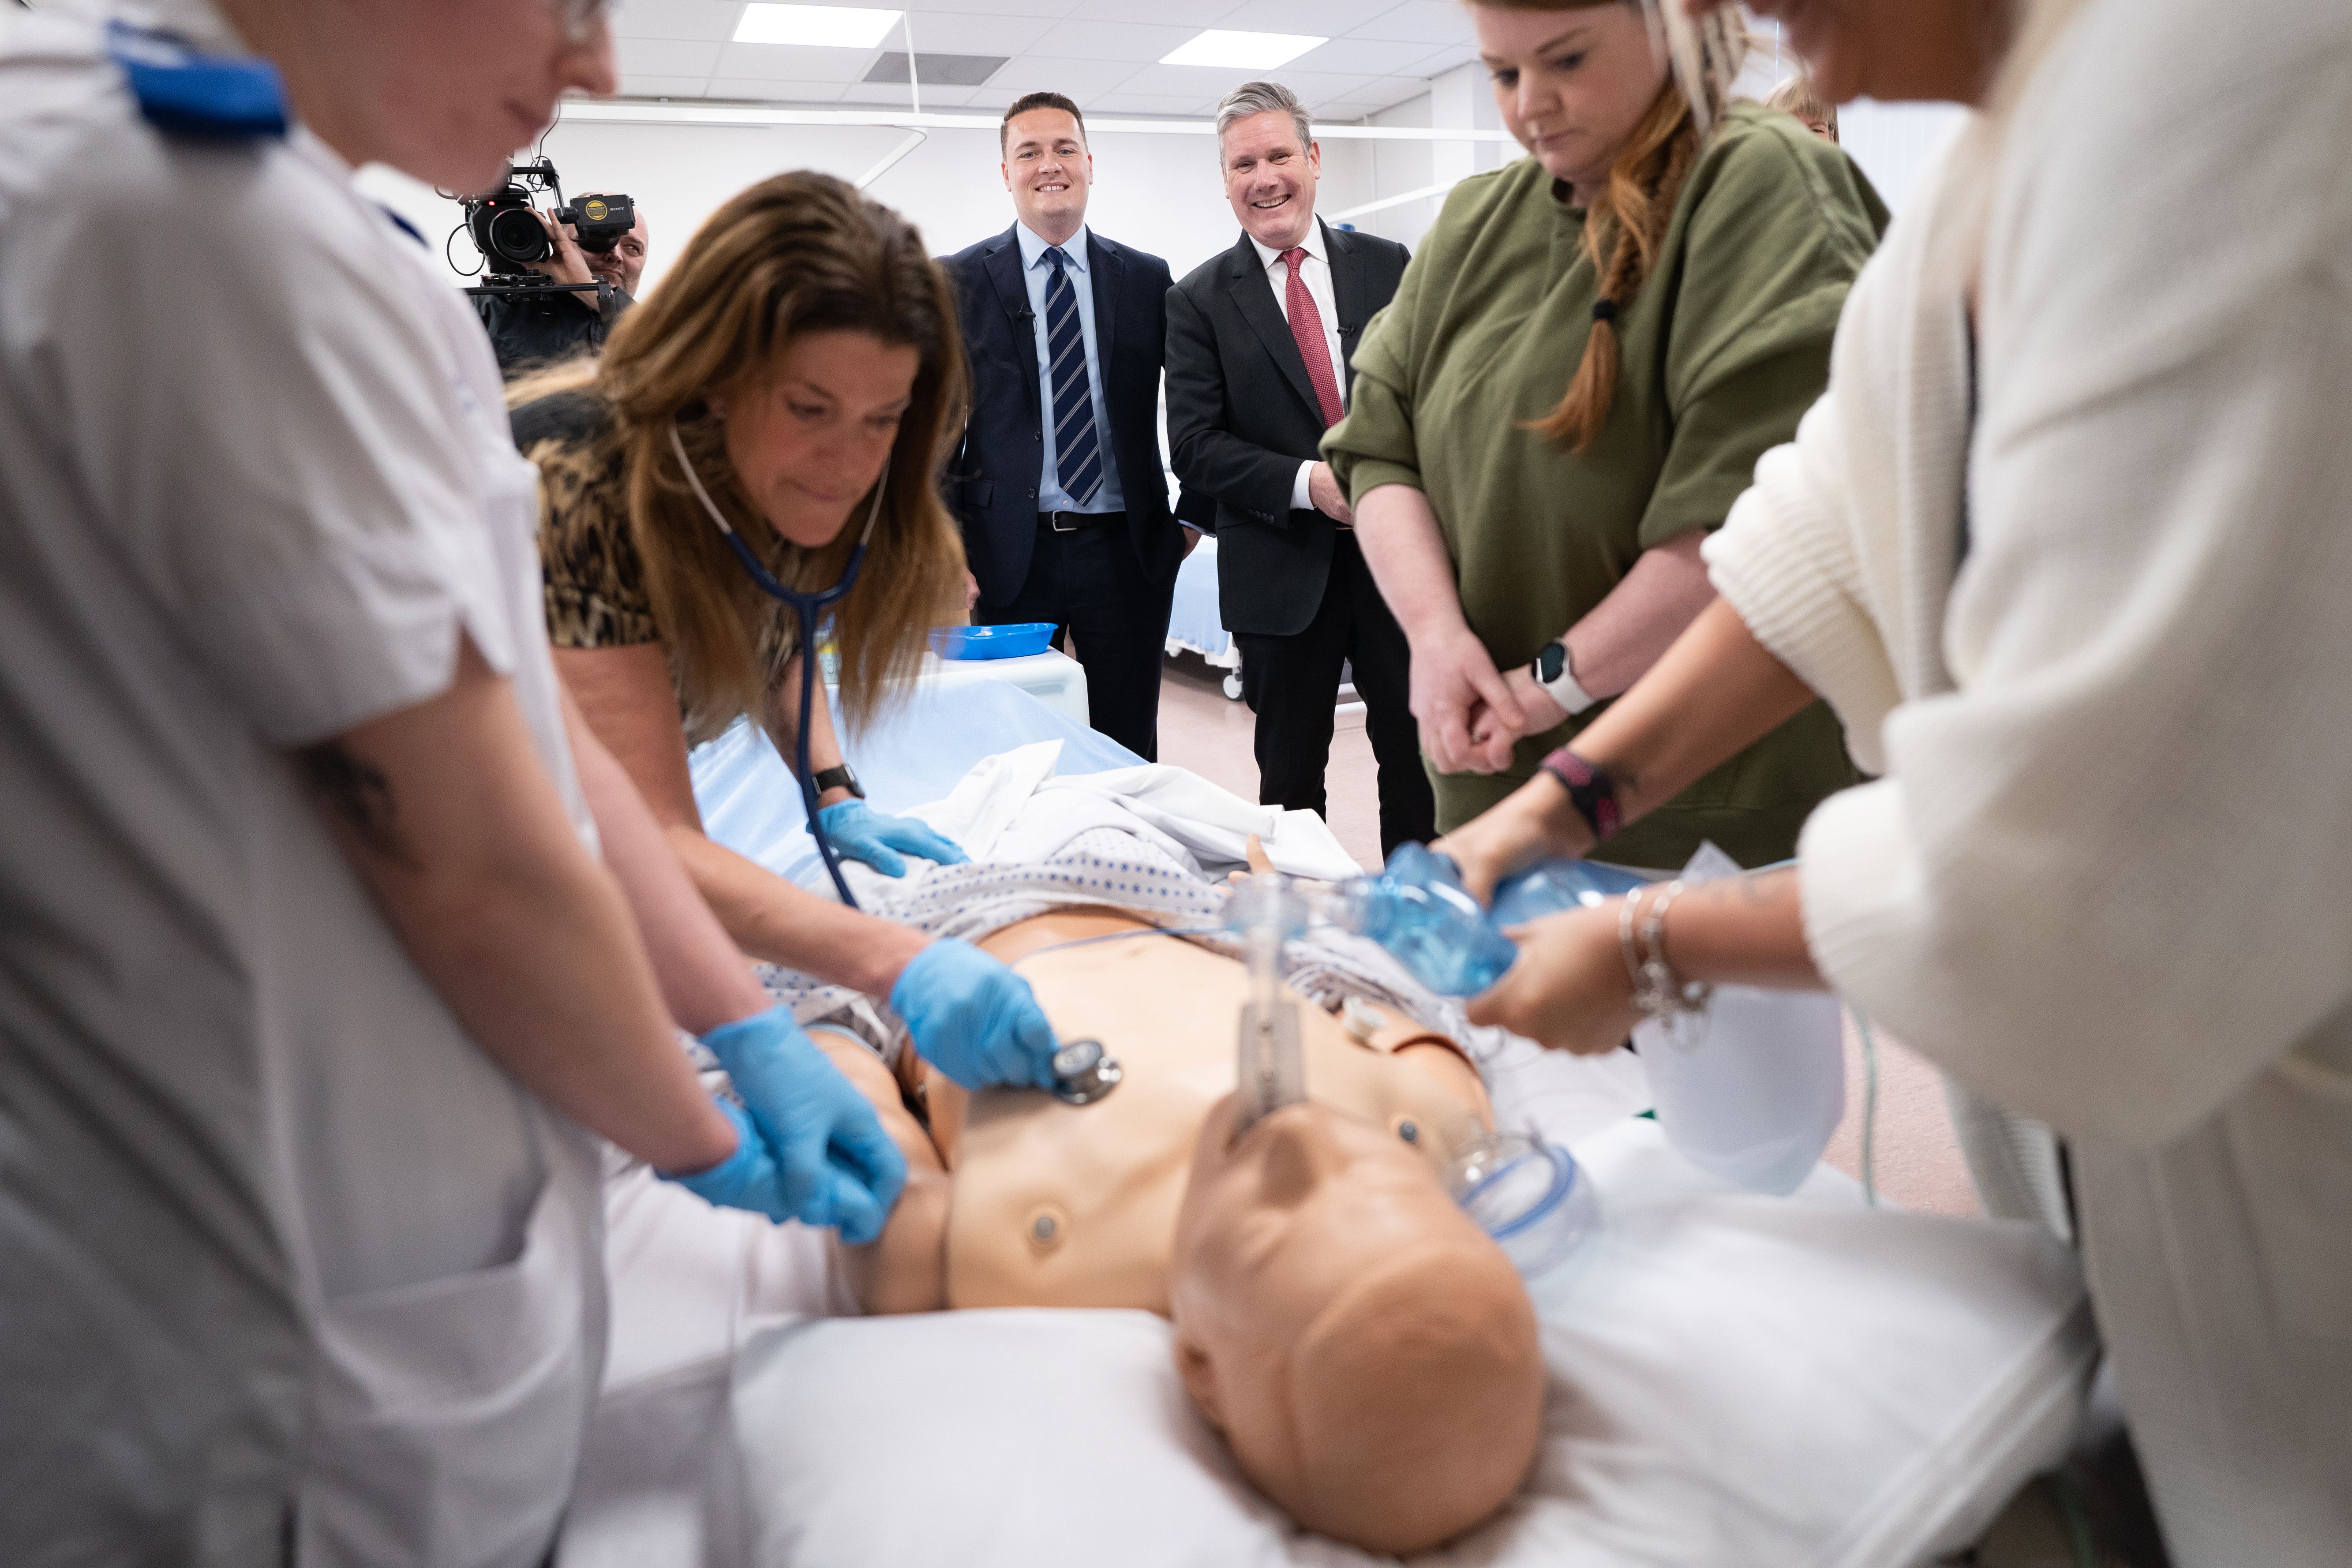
[1623, 233]
[1625, 228]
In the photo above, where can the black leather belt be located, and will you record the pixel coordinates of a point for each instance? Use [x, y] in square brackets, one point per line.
[1072, 522]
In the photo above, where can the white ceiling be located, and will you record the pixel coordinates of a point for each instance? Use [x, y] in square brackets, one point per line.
[1102, 53]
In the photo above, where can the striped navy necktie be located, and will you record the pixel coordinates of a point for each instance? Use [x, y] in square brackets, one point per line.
[1078, 446]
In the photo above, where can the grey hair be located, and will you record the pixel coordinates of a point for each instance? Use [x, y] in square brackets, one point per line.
[1263, 98]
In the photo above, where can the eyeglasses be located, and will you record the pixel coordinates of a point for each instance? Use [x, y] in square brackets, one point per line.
[581, 18]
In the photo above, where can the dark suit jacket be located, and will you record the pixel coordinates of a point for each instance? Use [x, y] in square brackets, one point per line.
[1241, 416]
[992, 483]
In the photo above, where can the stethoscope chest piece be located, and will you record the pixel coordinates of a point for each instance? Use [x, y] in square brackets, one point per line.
[1084, 1072]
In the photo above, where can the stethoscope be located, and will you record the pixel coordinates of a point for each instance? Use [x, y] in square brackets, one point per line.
[808, 607]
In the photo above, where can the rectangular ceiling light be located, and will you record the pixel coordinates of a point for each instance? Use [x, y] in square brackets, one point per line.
[1240, 51]
[820, 27]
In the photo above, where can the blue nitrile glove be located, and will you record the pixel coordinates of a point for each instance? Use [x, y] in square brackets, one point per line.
[974, 1019]
[828, 1161]
[859, 832]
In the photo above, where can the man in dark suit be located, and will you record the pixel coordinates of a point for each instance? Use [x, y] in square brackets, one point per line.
[1059, 486]
[1261, 343]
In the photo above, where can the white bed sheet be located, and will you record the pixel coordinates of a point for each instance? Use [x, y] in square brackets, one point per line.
[1736, 1382]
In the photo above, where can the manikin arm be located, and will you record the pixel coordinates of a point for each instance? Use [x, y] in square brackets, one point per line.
[449, 815]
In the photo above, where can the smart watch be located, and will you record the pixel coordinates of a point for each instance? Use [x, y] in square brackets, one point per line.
[840, 778]
[1552, 672]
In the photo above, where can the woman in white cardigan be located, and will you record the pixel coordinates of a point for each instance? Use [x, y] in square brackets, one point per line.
[2097, 636]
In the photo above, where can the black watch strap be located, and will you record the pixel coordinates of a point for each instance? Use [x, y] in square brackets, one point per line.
[839, 778]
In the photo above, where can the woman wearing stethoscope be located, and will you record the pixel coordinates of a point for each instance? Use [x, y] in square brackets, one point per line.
[755, 454]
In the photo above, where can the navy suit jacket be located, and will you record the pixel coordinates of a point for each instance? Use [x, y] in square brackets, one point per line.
[992, 483]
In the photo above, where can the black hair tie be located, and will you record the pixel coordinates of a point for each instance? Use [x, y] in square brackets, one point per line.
[1605, 309]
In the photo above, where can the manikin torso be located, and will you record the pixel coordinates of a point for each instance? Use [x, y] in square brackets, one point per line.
[1060, 1206]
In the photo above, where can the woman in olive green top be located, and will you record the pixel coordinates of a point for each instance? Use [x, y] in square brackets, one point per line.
[1538, 445]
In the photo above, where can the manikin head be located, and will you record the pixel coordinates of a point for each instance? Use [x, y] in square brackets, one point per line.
[1271, 162]
[1046, 164]
[1367, 1351]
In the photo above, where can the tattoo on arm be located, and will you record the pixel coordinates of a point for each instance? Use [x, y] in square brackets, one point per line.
[357, 795]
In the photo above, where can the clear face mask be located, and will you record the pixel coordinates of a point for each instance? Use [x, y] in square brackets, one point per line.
[1530, 1195]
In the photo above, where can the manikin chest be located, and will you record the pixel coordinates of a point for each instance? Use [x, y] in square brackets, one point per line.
[1075, 1206]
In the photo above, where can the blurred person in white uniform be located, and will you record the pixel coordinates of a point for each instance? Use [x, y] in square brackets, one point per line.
[314, 998]
[2067, 544]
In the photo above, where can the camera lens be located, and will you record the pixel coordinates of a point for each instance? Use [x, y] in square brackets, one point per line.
[516, 236]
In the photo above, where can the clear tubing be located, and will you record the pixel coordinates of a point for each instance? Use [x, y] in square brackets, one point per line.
[1269, 1071]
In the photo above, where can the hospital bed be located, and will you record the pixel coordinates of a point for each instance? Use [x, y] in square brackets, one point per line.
[1196, 624]
[1736, 1380]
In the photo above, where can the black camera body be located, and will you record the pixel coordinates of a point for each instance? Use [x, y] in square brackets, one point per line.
[506, 230]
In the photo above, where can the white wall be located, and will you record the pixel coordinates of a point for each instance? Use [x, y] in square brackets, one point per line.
[1891, 141]
[1156, 192]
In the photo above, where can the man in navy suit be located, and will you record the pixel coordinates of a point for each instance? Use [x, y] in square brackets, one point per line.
[1059, 486]
[1261, 357]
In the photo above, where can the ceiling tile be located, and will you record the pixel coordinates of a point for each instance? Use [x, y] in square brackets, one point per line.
[1200, 83]
[1136, 43]
[1087, 82]
[1193, 13]
[713, 20]
[662, 86]
[1444, 59]
[666, 57]
[970, 35]
[1362, 56]
[1420, 22]
[795, 62]
[1317, 18]
[1159, 106]
[920, 9]
[757, 90]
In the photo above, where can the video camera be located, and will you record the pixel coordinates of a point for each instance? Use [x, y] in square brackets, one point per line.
[508, 232]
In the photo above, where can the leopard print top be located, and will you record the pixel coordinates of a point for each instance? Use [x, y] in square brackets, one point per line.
[594, 578]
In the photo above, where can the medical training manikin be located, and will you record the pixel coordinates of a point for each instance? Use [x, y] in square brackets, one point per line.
[1369, 1353]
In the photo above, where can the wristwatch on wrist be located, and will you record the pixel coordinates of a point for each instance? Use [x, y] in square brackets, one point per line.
[1552, 673]
[840, 778]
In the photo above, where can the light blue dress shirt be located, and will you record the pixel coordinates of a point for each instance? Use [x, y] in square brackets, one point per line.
[1039, 272]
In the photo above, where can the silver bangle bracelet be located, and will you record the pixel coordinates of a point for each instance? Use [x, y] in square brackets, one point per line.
[1657, 990]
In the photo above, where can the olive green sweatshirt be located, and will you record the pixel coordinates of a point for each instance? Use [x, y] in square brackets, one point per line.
[1725, 347]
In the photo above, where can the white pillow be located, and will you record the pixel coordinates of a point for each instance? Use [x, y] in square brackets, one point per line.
[1736, 1382]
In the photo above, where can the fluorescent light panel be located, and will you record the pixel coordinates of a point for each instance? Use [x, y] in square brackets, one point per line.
[1241, 51]
[818, 26]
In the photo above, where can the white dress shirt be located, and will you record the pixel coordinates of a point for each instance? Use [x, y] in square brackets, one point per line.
[1317, 269]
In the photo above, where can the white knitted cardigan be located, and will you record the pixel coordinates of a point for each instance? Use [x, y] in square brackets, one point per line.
[2107, 877]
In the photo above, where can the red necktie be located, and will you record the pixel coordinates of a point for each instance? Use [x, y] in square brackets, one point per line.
[1307, 326]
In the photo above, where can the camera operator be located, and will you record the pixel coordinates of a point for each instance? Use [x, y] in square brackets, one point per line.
[530, 331]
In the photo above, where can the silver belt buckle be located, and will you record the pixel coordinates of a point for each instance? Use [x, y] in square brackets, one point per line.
[1054, 521]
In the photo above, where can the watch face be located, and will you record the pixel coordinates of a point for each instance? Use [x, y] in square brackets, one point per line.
[1550, 662]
